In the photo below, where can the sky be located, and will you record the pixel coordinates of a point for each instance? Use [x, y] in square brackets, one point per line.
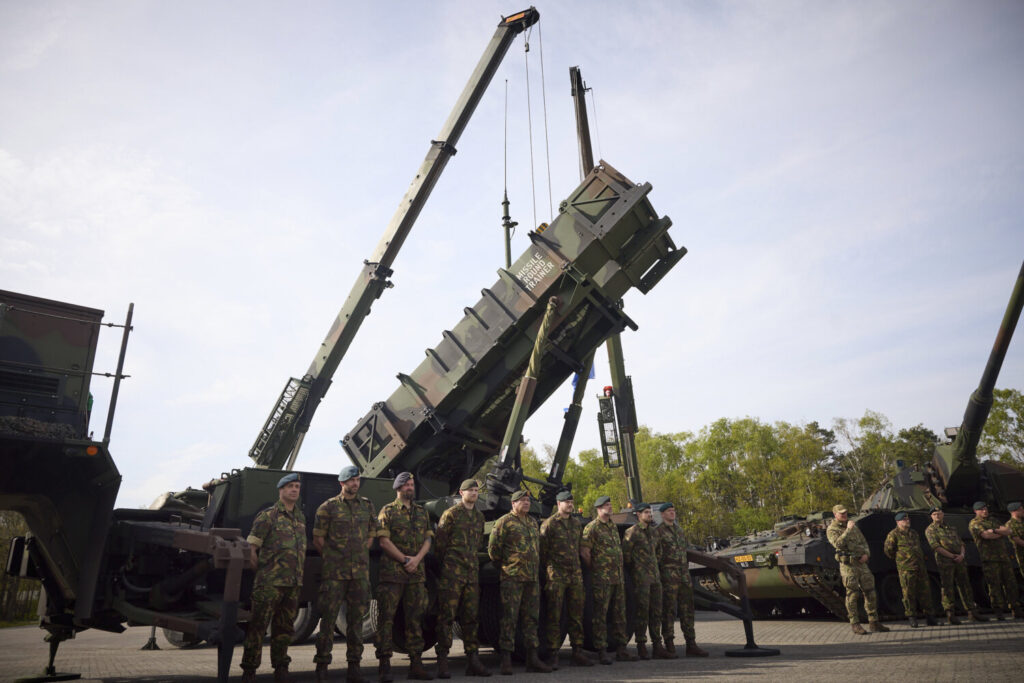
[846, 177]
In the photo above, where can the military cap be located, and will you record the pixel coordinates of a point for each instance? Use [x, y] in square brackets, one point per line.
[287, 479]
[521, 493]
[1013, 506]
[665, 506]
[348, 473]
[935, 509]
[980, 505]
[401, 479]
[602, 501]
[838, 509]
[901, 516]
[640, 507]
[469, 484]
[563, 496]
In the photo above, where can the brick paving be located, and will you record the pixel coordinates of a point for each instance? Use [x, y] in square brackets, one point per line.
[811, 651]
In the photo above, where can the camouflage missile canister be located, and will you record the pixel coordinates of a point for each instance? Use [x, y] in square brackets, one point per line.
[449, 415]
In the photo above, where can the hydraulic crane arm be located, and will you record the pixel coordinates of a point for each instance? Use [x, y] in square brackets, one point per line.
[278, 443]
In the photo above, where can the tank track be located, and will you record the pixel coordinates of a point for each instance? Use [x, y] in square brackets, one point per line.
[821, 583]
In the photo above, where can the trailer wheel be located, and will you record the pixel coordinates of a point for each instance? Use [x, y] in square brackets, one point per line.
[370, 622]
[181, 640]
[306, 620]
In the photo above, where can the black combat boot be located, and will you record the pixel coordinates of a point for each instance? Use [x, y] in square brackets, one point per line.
[506, 663]
[622, 654]
[442, 666]
[416, 670]
[533, 662]
[694, 650]
[976, 616]
[384, 670]
[604, 657]
[671, 647]
[641, 651]
[281, 674]
[931, 620]
[474, 667]
[998, 611]
[913, 622]
[580, 658]
[354, 674]
[877, 627]
[552, 660]
[248, 676]
[321, 672]
[953, 620]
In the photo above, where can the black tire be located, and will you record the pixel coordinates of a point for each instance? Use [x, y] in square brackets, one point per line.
[370, 622]
[306, 620]
[180, 640]
[890, 594]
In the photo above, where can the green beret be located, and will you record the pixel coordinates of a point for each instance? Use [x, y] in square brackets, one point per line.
[287, 479]
[900, 516]
[935, 509]
[602, 501]
[666, 506]
[1013, 506]
[980, 505]
[401, 479]
[469, 484]
[521, 493]
[347, 473]
[563, 496]
[640, 507]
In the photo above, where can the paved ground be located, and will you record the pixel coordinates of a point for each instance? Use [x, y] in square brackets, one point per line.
[811, 650]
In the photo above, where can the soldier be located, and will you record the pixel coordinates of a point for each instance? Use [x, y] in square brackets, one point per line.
[995, 561]
[343, 531]
[560, 537]
[1016, 526]
[903, 545]
[676, 587]
[404, 535]
[639, 556]
[949, 557]
[460, 534]
[278, 536]
[852, 553]
[601, 550]
[513, 547]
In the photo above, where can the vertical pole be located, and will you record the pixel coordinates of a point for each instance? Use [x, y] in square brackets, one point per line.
[117, 374]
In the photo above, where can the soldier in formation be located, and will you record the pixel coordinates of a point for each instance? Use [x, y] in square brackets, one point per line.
[404, 534]
[853, 554]
[949, 557]
[1016, 526]
[278, 541]
[995, 561]
[460, 534]
[640, 557]
[514, 548]
[676, 586]
[601, 550]
[560, 537]
[344, 528]
[903, 545]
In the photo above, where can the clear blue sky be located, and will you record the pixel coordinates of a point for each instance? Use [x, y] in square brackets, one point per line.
[846, 176]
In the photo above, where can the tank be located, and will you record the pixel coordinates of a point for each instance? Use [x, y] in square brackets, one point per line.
[791, 569]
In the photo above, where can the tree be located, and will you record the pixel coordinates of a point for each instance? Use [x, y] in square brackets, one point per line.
[1003, 436]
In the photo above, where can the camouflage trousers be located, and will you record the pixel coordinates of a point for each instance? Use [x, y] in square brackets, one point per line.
[414, 599]
[273, 606]
[458, 598]
[354, 594]
[953, 577]
[859, 583]
[677, 600]
[1001, 584]
[520, 603]
[556, 595]
[917, 593]
[609, 596]
[648, 613]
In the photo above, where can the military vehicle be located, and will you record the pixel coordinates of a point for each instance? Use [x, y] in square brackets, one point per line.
[791, 569]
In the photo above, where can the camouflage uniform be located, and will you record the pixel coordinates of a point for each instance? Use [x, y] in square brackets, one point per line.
[606, 579]
[1017, 531]
[460, 534]
[346, 525]
[904, 547]
[676, 587]
[280, 537]
[640, 557]
[513, 546]
[995, 564]
[408, 528]
[850, 545]
[952, 575]
[560, 553]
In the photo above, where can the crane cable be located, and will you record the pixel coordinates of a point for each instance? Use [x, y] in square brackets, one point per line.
[544, 100]
[529, 121]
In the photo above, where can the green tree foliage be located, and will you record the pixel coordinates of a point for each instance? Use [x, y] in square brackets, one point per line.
[1003, 436]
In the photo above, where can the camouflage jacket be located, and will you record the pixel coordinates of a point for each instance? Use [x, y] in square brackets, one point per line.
[904, 547]
[990, 549]
[460, 534]
[850, 544]
[346, 526]
[407, 528]
[1016, 530]
[945, 537]
[514, 547]
[281, 538]
[560, 548]
[670, 547]
[639, 555]
[605, 552]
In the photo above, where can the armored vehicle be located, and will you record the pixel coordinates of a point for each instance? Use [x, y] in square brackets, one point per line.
[791, 569]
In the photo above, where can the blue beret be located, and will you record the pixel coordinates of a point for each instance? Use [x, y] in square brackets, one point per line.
[665, 506]
[980, 505]
[901, 516]
[602, 501]
[287, 479]
[401, 479]
[348, 473]
[563, 496]
[640, 507]
[1013, 506]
